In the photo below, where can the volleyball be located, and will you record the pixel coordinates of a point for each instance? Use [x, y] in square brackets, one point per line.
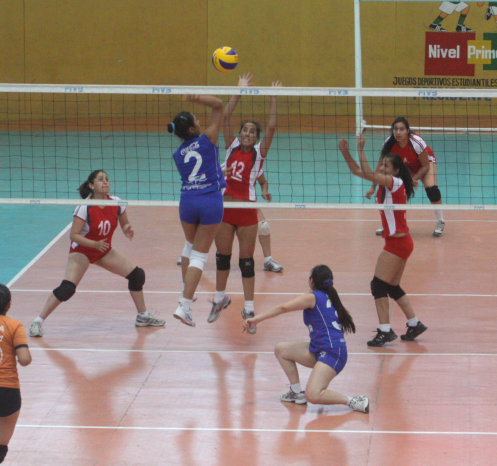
[225, 59]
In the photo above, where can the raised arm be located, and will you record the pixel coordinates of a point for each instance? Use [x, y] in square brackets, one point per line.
[304, 301]
[271, 123]
[229, 133]
[216, 104]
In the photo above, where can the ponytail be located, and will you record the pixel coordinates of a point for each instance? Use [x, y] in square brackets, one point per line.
[322, 277]
[5, 298]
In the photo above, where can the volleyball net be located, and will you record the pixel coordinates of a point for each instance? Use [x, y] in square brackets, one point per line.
[53, 136]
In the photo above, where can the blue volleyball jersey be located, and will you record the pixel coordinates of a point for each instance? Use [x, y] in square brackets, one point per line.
[322, 321]
[197, 160]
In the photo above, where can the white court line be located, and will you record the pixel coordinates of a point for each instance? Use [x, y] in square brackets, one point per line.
[241, 429]
[411, 220]
[38, 256]
[157, 351]
[265, 293]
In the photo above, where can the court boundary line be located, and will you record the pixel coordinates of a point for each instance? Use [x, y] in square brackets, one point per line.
[261, 293]
[38, 256]
[242, 352]
[257, 430]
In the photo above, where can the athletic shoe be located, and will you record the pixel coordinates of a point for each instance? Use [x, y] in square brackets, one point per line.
[463, 28]
[488, 14]
[35, 329]
[178, 260]
[291, 397]
[150, 321]
[382, 337]
[272, 266]
[248, 315]
[184, 316]
[437, 27]
[359, 403]
[439, 229]
[217, 308]
[379, 231]
[413, 332]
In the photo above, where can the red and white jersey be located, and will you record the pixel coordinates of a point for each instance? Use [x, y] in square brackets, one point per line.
[246, 168]
[99, 223]
[393, 221]
[411, 152]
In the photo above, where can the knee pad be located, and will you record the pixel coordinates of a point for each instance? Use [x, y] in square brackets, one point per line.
[223, 261]
[433, 193]
[3, 452]
[263, 228]
[187, 250]
[247, 267]
[198, 259]
[136, 279]
[395, 292]
[379, 288]
[64, 291]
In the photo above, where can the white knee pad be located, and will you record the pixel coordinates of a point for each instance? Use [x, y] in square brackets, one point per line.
[263, 228]
[187, 250]
[198, 259]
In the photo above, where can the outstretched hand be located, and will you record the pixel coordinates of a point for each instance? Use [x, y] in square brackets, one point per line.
[245, 80]
[343, 145]
[248, 324]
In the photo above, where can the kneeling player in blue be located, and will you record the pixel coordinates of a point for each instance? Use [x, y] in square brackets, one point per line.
[326, 353]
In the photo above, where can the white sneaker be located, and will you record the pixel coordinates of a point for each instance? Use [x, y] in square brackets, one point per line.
[272, 266]
[35, 329]
[291, 397]
[359, 403]
[439, 229]
[184, 315]
[150, 321]
[379, 231]
[217, 308]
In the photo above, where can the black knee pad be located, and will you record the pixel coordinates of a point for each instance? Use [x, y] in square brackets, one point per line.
[136, 279]
[247, 267]
[64, 291]
[3, 452]
[395, 292]
[379, 288]
[223, 261]
[433, 193]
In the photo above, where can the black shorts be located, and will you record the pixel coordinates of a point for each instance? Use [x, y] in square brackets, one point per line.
[10, 401]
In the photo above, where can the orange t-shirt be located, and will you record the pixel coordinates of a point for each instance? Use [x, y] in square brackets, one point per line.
[12, 336]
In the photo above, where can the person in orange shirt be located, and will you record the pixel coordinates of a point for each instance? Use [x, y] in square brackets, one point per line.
[13, 343]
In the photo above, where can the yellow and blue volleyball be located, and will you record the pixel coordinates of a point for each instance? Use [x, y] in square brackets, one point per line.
[225, 59]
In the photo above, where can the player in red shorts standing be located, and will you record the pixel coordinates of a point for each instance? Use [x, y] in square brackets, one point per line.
[245, 157]
[396, 187]
[420, 160]
[91, 243]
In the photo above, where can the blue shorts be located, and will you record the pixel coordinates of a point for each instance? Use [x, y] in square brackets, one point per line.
[335, 357]
[202, 209]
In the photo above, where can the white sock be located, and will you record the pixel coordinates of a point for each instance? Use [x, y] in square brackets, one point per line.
[145, 314]
[39, 319]
[385, 327]
[219, 296]
[185, 303]
[295, 387]
[413, 322]
[440, 215]
[267, 259]
[249, 306]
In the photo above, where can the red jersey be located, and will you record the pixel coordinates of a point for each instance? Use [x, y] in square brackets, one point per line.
[393, 221]
[246, 168]
[12, 336]
[411, 152]
[99, 223]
